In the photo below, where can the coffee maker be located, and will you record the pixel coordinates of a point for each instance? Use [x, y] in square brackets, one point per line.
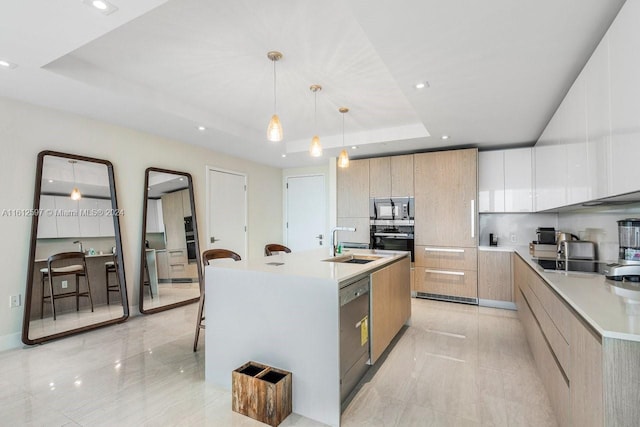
[628, 265]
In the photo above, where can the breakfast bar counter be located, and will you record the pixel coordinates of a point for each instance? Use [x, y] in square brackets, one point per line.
[284, 311]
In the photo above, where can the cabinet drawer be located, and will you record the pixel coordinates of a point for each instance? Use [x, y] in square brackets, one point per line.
[177, 270]
[177, 256]
[461, 283]
[447, 258]
[555, 308]
[557, 342]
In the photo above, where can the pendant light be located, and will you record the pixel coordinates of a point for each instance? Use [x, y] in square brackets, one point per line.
[343, 159]
[274, 130]
[75, 193]
[315, 149]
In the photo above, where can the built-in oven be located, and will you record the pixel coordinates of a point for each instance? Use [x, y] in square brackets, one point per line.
[393, 238]
[190, 238]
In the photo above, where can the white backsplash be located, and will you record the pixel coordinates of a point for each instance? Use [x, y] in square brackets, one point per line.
[518, 227]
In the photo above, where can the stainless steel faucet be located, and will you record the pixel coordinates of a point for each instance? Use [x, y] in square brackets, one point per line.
[79, 243]
[333, 236]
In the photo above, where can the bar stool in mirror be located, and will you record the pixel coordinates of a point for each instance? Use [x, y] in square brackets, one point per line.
[207, 256]
[78, 270]
[112, 267]
[273, 248]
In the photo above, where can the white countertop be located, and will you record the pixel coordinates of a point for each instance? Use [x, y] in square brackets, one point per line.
[497, 248]
[311, 264]
[613, 312]
[97, 255]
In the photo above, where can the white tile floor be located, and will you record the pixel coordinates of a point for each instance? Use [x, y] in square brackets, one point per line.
[456, 365]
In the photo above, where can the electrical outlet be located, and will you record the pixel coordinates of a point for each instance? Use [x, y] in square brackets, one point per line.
[65, 284]
[514, 238]
[15, 301]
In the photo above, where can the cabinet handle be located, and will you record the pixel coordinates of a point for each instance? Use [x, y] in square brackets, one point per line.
[473, 219]
[451, 273]
[460, 251]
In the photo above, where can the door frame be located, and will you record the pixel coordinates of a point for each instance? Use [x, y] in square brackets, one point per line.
[209, 169]
[285, 201]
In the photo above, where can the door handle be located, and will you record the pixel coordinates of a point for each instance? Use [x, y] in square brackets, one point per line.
[461, 251]
[450, 273]
[319, 236]
[213, 240]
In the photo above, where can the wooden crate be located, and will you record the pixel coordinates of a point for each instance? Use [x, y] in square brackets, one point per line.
[261, 392]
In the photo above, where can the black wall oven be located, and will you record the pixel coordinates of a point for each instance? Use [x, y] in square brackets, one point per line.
[391, 223]
[392, 238]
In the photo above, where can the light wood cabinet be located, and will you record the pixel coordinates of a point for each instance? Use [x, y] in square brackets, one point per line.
[586, 376]
[446, 193]
[391, 176]
[448, 283]
[494, 276]
[380, 177]
[173, 216]
[402, 176]
[390, 304]
[163, 265]
[186, 202]
[353, 190]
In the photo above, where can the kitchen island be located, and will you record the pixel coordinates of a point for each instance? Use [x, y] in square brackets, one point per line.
[284, 311]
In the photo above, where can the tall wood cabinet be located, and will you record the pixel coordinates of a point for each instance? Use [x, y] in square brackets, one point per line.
[446, 230]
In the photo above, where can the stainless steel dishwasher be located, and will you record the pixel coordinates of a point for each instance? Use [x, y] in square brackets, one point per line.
[354, 334]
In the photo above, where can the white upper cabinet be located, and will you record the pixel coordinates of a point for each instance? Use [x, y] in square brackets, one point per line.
[518, 180]
[505, 181]
[574, 136]
[491, 181]
[624, 66]
[47, 227]
[597, 89]
[551, 177]
[105, 221]
[67, 217]
[89, 217]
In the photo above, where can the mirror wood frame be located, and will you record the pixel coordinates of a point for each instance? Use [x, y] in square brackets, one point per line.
[144, 234]
[32, 252]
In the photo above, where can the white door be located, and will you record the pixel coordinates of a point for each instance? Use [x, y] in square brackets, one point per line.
[227, 211]
[305, 212]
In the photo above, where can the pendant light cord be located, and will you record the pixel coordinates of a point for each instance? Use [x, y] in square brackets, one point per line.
[342, 130]
[315, 110]
[274, 88]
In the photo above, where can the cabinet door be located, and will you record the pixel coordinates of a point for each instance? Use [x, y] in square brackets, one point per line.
[186, 202]
[586, 376]
[402, 176]
[89, 218]
[518, 180]
[390, 304]
[152, 216]
[47, 221]
[353, 190]
[105, 222]
[173, 216]
[598, 119]
[380, 177]
[494, 276]
[550, 176]
[446, 192]
[67, 217]
[163, 265]
[624, 63]
[491, 181]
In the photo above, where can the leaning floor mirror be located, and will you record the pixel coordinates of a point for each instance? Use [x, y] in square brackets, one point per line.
[170, 270]
[75, 277]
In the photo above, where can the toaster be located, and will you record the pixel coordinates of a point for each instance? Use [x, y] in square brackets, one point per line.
[577, 249]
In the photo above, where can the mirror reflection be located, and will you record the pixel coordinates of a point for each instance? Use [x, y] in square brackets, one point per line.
[75, 281]
[170, 265]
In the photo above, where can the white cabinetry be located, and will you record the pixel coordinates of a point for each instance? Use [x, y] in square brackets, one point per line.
[505, 180]
[154, 216]
[67, 217]
[105, 222]
[47, 227]
[624, 66]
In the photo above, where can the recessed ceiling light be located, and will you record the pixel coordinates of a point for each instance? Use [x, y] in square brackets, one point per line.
[445, 137]
[284, 155]
[6, 64]
[422, 85]
[202, 128]
[354, 147]
[102, 5]
[50, 181]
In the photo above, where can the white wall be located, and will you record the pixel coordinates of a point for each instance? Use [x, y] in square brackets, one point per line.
[25, 130]
[523, 226]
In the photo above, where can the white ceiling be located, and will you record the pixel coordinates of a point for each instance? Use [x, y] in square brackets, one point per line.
[497, 69]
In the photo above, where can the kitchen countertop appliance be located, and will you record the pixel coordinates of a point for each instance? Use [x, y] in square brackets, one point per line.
[628, 265]
[546, 236]
[577, 255]
[392, 223]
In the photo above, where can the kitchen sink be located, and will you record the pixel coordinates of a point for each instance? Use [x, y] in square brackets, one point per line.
[353, 259]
